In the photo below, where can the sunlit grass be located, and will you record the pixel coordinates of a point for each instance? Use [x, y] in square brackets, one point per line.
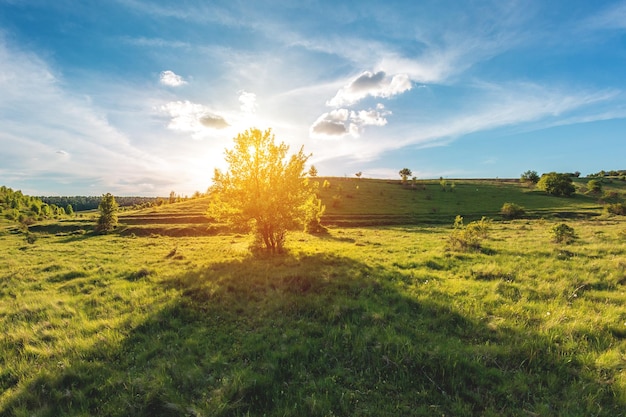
[358, 321]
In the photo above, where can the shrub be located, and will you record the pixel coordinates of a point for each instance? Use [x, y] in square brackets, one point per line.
[594, 186]
[562, 233]
[512, 211]
[559, 185]
[468, 238]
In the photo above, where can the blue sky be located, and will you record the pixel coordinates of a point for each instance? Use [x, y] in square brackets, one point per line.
[139, 97]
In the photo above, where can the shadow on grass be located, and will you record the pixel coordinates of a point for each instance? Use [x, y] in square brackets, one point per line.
[314, 335]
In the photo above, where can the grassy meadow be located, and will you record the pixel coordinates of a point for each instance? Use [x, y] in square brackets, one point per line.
[171, 316]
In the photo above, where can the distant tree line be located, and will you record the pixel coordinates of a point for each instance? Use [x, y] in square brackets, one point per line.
[613, 173]
[80, 203]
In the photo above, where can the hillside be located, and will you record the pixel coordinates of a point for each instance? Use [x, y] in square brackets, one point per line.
[370, 202]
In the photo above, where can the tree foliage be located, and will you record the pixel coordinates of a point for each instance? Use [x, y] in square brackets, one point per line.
[405, 173]
[530, 176]
[263, 190]
[108, 213]
[556, 184]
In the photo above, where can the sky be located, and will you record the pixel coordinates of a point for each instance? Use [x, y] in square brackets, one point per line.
[141, 98]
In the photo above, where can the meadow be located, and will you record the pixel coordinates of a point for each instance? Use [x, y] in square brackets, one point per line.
[172, 316]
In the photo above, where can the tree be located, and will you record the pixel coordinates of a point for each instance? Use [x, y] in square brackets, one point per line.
[556, 184]
[69, 210]
[262, 189]
[312, 171]
[405, 173]
[358, 174]
[108, 213]
[530, 176]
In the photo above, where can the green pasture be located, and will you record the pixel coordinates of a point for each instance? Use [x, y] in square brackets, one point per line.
[171, 315]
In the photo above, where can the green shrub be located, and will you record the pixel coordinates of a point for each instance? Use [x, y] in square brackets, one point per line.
[512, 211]
[594, 186]
[562, 233]
[468, 238]
[559, 185]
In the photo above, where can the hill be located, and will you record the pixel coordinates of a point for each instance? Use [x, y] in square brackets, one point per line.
[371, 202]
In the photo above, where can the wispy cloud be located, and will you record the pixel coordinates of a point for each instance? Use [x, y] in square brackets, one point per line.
[612, 17]
[48, 131]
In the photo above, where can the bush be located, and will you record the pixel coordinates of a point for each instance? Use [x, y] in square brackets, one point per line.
[512, 211]
[468, 238]
[559, 185]
[562, 233]
[594, 186]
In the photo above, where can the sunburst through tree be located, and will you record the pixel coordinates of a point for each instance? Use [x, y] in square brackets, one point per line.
[263, 189]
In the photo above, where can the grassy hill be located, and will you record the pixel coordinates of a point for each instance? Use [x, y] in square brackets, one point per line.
[360, 321]
[369, 202]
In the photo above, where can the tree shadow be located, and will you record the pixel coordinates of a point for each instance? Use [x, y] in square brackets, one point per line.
[315, 335]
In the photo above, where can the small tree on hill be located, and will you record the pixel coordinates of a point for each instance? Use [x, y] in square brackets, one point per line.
[556, 184]
[530, 176]
[108, 213]
[405, 173]
[262, 189]
[312, 171]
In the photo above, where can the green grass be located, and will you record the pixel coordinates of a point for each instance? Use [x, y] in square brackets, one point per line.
[363, 321]
[172, 316]
[367, 201]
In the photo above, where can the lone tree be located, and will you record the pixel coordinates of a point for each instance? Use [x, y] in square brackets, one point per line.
[263, 190]
[108, 213]
[556, 184]
[405, 173]
[530, 177]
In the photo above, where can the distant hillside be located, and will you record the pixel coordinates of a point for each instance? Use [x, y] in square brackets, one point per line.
[371, 202]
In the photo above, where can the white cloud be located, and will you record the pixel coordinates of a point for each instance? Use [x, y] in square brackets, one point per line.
[342, 122]
[192, 117]
[370, 84]
[248, 102]
[170, 79]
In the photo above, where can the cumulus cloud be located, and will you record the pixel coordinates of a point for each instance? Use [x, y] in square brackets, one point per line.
[342, 122]
[192, 117]
[248, 101]
[370, 84]
[171, 79]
